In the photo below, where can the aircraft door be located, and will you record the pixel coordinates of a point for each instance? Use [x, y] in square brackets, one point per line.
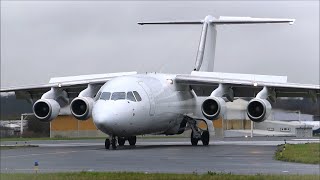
[150, 96]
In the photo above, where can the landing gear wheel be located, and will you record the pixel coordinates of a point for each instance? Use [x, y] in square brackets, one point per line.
[205, 138]
[107, 143]
[132, 140]
[121, 141]
[194, 141]
[114, 143]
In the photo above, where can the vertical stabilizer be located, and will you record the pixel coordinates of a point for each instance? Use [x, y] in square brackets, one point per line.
[209, 55]
[207, 44]
[205, 59]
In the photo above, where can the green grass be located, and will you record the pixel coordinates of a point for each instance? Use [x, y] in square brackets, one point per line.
[143, 176]
[301, 153]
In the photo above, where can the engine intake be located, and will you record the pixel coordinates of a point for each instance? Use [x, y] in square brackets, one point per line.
[212, 108]
[46, 109]
[258, 110]
[81, 107]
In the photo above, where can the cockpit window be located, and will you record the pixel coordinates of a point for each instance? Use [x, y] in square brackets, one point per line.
[118, 95]
[130, 97]
[136, 94]
[105, 96]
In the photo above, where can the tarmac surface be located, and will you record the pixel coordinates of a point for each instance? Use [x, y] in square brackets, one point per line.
[171, 155]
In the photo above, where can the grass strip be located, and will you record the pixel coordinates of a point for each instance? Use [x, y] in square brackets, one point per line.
[152, 176]
[301, 153]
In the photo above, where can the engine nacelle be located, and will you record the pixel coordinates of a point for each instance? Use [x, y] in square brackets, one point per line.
[212, 107]
[46, 109]
[81, 107]
[258, 110]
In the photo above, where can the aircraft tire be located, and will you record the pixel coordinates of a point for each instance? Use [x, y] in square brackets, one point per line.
[107, 143]
[205, 138]
[132, 140]
[121, 141]
[194, 141]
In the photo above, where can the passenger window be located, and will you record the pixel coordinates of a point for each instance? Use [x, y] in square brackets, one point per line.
[118, 95]
[130, 97]
[136, 94]
[105, 96]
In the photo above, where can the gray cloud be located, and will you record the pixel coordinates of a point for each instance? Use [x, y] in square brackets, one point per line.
[40, 40]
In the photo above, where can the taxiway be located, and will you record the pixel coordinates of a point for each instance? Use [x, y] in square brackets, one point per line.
[171, 155]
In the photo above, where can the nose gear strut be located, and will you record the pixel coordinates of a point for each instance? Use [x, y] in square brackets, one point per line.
[119, 141]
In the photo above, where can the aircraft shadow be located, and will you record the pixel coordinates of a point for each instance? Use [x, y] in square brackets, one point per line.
[142, 147]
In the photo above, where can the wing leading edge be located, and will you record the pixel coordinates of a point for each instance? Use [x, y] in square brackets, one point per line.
[248, 85]
[71, 84]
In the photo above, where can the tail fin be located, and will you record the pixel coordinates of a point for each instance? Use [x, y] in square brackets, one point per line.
[205, 59]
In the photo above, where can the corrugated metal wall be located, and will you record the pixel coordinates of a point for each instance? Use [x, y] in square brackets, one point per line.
[68, 126]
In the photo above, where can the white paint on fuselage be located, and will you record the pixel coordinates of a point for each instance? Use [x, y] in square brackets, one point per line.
[162, 108]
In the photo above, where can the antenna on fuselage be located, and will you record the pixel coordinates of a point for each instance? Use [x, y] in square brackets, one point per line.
[205, 59]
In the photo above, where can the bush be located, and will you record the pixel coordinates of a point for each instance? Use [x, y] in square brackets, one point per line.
[36, 128]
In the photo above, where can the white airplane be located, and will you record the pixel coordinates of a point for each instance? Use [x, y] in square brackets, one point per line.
[124, 105]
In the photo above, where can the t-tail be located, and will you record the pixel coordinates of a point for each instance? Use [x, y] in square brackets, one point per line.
[205, 59]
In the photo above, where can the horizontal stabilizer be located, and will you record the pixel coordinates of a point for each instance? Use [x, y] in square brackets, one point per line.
[225, 20]
[205, 59]
[171, 22]
[250, 20]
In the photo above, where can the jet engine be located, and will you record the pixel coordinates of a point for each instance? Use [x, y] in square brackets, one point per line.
[258, 109]
[212, 107]
[46, 109]
[81, 107]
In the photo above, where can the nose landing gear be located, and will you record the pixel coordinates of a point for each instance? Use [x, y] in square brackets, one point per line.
[114, 142]
[121, 141]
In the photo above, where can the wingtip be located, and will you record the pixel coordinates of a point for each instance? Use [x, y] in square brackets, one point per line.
[292, 21]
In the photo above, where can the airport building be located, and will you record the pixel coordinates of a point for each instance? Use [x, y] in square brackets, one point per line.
[68, 126]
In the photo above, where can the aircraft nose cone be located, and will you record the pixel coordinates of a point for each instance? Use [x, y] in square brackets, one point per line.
[111, 116]
[103, 116]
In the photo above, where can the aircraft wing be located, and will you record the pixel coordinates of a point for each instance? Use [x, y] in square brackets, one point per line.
[246, 85]
[72, 85]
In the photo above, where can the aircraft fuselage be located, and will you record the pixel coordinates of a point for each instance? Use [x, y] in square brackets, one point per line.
[161, 109]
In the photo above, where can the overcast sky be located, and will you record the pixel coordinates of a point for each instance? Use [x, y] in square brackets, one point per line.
[40, 40]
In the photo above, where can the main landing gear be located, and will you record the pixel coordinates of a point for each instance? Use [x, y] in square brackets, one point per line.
[198, 133]
[119, 141]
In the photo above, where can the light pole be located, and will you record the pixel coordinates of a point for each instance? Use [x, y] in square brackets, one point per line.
[251, 134]
[299, 112]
